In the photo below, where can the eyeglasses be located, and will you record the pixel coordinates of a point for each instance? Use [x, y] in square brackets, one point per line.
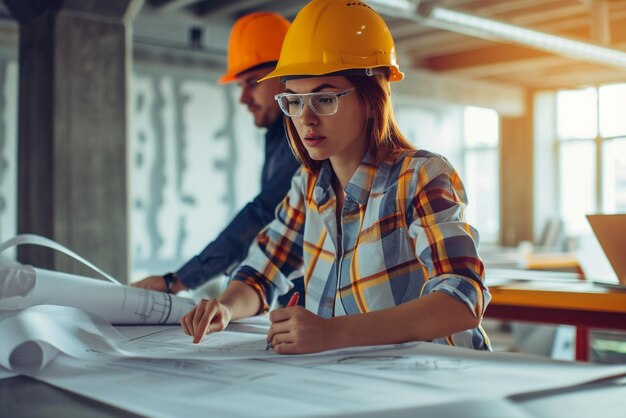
[323, 103]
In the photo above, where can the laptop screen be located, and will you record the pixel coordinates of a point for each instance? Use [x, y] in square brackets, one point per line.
[610, 230]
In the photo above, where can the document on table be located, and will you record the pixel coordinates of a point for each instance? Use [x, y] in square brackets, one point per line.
[408, 378]
[244, 388]
[238, 341]
[33, 337]
[82, 353]
[455, 369]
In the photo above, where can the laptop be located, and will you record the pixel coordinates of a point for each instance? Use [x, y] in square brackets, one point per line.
[610, 230]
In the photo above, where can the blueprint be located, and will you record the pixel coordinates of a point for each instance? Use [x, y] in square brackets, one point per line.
[231, 374]
[57, 328]
[25, 286]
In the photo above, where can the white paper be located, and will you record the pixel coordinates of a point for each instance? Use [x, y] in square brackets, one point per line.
[497, 276]
[33, 239]
[33, 337]
[412, 378]
[174, 343]
[474, 408]
[82, 353]
[25, 286]
[56, 327]
[461, 370]
[245, 388]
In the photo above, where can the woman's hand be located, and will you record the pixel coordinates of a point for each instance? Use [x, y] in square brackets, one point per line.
[206, 317]
[295, 330]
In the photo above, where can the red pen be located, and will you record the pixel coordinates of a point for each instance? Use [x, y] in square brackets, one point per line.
[293, 301]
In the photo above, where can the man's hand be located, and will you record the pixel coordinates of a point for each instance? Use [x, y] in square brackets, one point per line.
[157, 283]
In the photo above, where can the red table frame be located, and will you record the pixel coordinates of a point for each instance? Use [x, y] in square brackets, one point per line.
[584, 308]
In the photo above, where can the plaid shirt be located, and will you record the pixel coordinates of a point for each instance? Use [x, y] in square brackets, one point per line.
[402, 236]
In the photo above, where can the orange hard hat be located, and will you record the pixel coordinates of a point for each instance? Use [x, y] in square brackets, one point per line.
[329, 36]
[254, 40]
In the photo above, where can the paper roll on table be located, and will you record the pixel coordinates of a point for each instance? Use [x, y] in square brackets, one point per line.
[22, 286]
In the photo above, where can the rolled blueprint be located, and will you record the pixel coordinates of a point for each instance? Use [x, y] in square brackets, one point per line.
[24, 286]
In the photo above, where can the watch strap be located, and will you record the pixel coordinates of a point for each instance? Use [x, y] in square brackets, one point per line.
[169, 279]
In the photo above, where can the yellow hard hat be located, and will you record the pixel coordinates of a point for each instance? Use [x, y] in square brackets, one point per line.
[328, 36]
[254, 40]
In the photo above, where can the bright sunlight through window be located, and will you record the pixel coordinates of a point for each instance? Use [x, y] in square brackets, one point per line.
[482, 171]
[591, 122]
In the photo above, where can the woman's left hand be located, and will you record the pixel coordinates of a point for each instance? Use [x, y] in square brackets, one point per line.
[295, 330]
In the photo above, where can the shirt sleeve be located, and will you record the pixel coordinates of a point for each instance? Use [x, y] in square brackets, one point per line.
[445, 244]
[231, 246]
[277, 252]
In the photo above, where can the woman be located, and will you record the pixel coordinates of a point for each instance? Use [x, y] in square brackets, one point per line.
[376, 225]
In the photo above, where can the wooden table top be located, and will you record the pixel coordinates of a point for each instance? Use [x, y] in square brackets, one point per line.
[567, 294]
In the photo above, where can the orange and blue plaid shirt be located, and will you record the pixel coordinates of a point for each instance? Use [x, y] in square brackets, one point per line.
[402, 236]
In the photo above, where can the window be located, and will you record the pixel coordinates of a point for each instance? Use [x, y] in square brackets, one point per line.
[481, 174]
[613, 132]
[591, 143]
[469, 138]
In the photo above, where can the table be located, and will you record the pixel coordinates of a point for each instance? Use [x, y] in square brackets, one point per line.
[564, 302]
[554, 262]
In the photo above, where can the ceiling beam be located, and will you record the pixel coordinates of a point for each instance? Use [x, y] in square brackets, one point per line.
[600, 22]
[451, 56]
[507, 33]
[501, 7]
[478, 59]
[560, 78]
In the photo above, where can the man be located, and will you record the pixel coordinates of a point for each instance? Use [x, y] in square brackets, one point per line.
[253, 50]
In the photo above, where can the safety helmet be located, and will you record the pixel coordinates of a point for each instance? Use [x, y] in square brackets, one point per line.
[255, 39]
[329, 36]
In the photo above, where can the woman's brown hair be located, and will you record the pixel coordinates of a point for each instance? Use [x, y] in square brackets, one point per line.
[383, 132]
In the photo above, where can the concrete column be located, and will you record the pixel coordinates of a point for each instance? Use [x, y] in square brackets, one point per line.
[74, 59]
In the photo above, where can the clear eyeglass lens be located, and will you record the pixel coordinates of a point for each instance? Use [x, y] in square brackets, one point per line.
[324, 104]
[321, 103]
[294, 103]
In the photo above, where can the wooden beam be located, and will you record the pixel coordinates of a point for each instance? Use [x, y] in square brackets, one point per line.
[600, 22]
[481, 58]
[516, 177]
